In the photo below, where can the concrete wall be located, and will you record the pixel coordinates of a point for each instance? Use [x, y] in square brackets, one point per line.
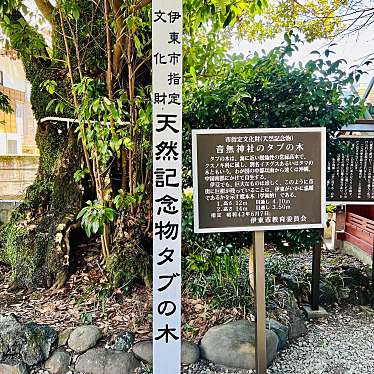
[354, 251]
[6, 209]
[16, 174]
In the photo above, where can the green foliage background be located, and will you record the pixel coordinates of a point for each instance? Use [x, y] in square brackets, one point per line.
[267, 91]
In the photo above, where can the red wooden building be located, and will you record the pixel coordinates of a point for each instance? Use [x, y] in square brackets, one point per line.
[355, 230]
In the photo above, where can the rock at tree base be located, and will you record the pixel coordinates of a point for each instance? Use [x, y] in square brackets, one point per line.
[13, 368]
[59, 362]
[297, 329]
[144, 351]
[30, 342]
[104, 361]
[44, 336]
[233, 345]
[63, 337]
[281, 331]
[83, 338]
[123, 341]
[190, 353]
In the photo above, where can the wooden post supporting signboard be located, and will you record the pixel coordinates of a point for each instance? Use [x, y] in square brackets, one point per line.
[259, 270]
[316, 273]
[257, 180]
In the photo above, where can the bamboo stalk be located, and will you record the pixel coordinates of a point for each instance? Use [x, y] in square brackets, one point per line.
[70, 71]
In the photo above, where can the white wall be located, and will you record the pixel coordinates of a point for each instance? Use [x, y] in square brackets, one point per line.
[16, 174]
[14, 74]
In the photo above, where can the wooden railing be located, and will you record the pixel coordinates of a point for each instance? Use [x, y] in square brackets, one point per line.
[360, 232]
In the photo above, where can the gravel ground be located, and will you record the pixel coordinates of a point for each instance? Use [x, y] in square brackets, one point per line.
[206, 368]
[342, 344]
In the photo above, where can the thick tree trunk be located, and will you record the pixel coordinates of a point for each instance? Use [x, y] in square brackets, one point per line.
[36, 240]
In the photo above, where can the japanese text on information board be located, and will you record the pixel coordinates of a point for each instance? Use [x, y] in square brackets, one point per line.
[351, 175]
[260, 179]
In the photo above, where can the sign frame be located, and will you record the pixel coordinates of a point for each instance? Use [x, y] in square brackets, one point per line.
[196, 132]
[333, 202]
[350, 202]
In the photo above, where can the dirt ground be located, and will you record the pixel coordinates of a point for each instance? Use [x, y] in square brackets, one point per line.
[84, 300]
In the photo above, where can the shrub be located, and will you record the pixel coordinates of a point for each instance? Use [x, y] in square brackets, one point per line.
[216, 267]
[213, 263]
[203, 247]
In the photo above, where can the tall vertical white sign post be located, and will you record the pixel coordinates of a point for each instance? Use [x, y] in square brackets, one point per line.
[167, 31]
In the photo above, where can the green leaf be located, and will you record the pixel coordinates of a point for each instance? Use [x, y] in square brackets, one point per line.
[138, 45]
[76, 13]
[228, 19]
[50, 104]
[110, 214]
[81, 213]
[95, 227]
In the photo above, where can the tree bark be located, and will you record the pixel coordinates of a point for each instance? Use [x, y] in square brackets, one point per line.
[36, 240]
[47, 9]
[33, 242]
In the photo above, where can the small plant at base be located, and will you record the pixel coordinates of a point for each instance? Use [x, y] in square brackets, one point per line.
[94, 216]
[147, 369]
[187, 328]
[276, 293]
[87, 317]
[125, 200]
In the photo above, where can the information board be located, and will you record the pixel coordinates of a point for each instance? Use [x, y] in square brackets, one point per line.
[351, 175]
[259, 179]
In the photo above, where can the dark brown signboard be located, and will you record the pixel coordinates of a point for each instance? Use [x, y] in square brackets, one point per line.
[259, 179]
[351, 176]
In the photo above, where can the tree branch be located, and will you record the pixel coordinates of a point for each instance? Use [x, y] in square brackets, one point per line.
[119, 45]
[141, 4]
[46, 9]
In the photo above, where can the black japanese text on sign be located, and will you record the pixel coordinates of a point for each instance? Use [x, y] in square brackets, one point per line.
[351, 175]
[167, 30]
[259, 179]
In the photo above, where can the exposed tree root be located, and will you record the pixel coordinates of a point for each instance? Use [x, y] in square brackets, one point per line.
[60, 281]
[62, 239]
